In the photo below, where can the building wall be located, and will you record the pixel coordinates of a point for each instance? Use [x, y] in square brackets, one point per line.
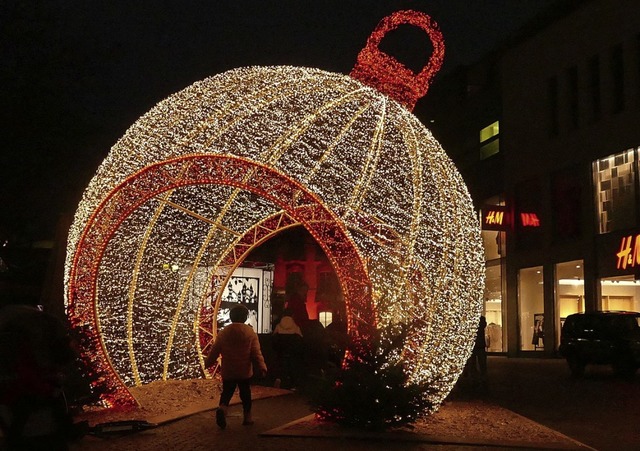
[593, 29]
[534, 153]
[544, 169]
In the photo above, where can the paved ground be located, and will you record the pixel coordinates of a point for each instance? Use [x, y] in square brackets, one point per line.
[599, 410]
[199, 433]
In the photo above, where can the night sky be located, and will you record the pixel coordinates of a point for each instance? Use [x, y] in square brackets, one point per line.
[75, 74]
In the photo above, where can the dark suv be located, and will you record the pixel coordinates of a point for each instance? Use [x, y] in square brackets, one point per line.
[607, 338]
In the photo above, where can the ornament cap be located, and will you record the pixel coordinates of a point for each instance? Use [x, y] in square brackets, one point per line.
[388, 75]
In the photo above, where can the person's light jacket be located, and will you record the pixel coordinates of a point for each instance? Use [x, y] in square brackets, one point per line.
[238, 345]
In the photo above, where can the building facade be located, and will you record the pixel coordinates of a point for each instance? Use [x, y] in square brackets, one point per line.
[545, 132]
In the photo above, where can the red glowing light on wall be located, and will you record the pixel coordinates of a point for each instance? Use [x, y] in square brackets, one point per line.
[500, 218]
[529, 220]
[389, 76]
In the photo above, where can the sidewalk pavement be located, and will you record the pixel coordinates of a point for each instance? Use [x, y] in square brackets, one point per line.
[284, 422]
[537, 388]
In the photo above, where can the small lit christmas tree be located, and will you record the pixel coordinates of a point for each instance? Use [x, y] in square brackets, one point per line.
[372, 390]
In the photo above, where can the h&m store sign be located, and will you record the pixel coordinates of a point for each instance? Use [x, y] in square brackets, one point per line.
[500, 217]
[618, 253]
[629, 254]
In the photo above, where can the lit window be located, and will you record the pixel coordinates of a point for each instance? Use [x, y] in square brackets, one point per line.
[489, 140]
[490, 131]
[489, 149]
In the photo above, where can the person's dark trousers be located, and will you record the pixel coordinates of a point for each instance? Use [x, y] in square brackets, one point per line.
[229, 387]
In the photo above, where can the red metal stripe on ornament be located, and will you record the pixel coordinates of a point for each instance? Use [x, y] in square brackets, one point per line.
[286, 193]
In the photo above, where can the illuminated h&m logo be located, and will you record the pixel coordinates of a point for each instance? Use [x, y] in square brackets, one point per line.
[496, 217]
[500, 217]
[629, 256]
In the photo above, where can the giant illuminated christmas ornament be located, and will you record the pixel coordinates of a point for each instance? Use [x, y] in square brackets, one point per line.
[220, 167]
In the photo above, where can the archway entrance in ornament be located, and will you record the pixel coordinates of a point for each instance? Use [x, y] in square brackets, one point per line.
[300, 278]
[298, 204]
[301, 271]
[307, 289]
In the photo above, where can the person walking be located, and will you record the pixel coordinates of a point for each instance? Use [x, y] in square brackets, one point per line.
[239, 348]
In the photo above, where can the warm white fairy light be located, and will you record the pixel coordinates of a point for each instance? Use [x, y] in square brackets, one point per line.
[367, 158]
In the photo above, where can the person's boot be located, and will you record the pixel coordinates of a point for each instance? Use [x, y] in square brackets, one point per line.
[221, 417]
[248, 418]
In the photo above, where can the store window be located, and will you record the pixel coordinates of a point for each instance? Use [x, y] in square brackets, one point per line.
[615, 180]
[493, 308]
[494, 252]
[493, 244]
[569, 291]
[531, 308]
[620, 293]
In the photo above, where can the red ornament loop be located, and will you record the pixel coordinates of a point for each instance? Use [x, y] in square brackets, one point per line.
[389, 76]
